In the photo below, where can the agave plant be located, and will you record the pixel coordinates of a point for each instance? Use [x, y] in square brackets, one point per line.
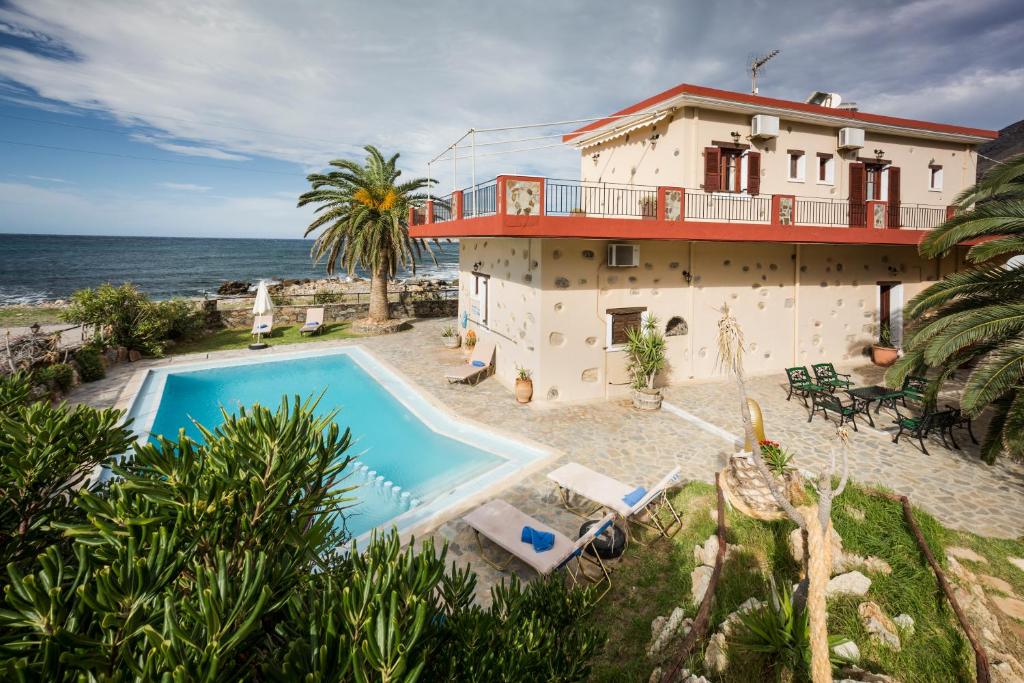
[363, 213]
[976, 316]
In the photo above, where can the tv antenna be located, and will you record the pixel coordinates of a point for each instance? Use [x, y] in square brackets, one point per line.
[756, 64]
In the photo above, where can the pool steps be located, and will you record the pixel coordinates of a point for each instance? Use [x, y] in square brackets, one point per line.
[388, 487]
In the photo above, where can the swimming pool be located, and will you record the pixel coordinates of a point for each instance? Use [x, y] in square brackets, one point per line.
[415, 462]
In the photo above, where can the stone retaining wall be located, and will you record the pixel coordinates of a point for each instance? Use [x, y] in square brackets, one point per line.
[291, 315]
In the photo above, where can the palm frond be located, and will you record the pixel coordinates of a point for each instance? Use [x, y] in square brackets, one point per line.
[997, 374]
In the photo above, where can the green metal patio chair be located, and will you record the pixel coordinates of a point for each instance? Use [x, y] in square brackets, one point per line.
[825, 374]
[930, 422]
[825, 401]
[914, 388]
[800, 383]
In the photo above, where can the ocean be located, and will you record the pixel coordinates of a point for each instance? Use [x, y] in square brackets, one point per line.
[39, 268]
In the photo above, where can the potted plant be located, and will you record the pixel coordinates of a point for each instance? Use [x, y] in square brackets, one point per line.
[649, 207]
[470, 342]
[524, 384]
[884, 353]
[645, 347]
[450, 337]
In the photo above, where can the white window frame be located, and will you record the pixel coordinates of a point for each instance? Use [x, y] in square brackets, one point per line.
[608, 319]
[481, 304]
[830, 171]
[935, 172]
[801, 167]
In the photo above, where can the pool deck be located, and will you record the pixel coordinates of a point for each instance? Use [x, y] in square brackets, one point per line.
[639, 447]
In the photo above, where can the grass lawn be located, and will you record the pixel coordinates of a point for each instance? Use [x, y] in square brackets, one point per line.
[240, 338]
[652, 580]
[24, 316]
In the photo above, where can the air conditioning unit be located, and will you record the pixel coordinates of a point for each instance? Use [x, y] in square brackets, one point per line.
[623, 255]
[764, 126]
[851, 138]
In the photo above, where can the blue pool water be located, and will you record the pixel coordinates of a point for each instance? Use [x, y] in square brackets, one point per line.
[404, 455]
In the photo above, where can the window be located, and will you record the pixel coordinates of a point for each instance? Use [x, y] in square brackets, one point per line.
[732, 170]
[478, 298]
[826, 169]
[797, 163]
[875, 189]
[934, 178]
[620, 320]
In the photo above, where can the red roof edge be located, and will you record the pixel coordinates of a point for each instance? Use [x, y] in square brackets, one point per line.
[701, 91]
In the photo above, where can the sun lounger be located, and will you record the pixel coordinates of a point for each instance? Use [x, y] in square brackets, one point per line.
[503, 523]
[314, 321]
[612, 494]
[480, 364]
[263, 324]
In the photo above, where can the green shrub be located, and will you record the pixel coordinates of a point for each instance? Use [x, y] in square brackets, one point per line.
[217, 561]
[123, 316]
[58, 376]
[181, 319]
[46, 452]
[90, 364]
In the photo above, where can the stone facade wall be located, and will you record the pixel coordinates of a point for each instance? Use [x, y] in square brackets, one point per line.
[291, 315]
[798, 305]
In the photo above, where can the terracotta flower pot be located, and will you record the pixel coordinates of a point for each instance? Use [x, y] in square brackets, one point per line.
[883, 355]
[134, 355]
[524, 390]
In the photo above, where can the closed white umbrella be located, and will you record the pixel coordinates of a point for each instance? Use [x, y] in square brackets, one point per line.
[263, 305]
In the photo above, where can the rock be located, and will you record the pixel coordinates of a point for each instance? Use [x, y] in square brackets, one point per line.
[1005, 668]
[976, 608]
[1016, 562]
[878, 625]
[854, 512]
[733, 620]
[965, 554]
[1011, 607]
[996, 584]
[663, 630]
[699, 578]
[839, 558]
[234, 287]
[855, 674]
[708, 553]
[715, 658]
[905, 622]
[961, 572]
[134, 356]
[694, 678]
[851, 583]
[848, 651]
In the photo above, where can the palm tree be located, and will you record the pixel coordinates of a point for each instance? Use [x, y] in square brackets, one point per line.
[976, 316]
[363, 212]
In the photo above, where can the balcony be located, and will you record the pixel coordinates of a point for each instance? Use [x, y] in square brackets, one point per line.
[545, 207]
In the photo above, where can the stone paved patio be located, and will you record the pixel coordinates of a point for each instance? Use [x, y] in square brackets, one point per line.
[639, 447]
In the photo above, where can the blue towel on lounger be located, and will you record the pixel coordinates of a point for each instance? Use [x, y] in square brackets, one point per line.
[634, 496]
[540, 540]
[479, 364]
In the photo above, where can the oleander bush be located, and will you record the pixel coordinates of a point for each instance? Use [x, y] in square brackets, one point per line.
[124, 316]
[218, 560]
[90, 364]
[59, 376]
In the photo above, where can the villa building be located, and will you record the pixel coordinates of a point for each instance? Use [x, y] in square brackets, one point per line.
[803, 217]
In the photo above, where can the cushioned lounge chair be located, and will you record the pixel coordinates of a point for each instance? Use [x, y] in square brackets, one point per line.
[480, 364]
[606, 492]
[502, 524]
[263, 324]
[314, 321]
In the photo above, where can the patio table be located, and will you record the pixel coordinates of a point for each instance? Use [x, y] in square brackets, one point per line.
[876, 394]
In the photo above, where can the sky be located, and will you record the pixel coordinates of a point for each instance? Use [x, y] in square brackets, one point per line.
[177, 118]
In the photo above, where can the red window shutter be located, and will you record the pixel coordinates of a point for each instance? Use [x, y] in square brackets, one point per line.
[712, 169]
[753, 172]
[858, 190]
[893, 220]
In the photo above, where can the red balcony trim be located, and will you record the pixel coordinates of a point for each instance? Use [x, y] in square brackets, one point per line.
[589, 227]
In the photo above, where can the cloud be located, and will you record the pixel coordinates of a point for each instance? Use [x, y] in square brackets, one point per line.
[189, 150]
[184, 187]
[47, 179]
[310, 81]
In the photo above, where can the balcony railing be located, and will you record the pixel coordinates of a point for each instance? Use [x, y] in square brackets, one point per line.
[574, 198]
